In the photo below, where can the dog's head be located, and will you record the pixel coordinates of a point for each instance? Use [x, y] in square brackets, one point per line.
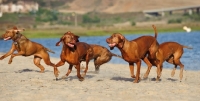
[116, 40]
[11, 34]
[68, 39]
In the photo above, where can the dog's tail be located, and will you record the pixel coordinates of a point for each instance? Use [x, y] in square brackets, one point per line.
[116, 55]
[187, 47]
[155, 30]
[49, 50]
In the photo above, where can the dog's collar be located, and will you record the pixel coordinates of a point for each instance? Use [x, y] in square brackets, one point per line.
[18, 37]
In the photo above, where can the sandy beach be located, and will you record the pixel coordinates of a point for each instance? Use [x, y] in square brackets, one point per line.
[21, 81]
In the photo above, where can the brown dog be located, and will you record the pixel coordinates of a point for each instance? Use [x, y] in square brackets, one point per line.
[170, 52]
[101, 54]
[74, 52]
[133, 51]
[25, 47]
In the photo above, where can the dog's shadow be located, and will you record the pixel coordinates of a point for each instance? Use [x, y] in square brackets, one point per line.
[70, 78]
[122, 79]
[29, 70]
[131, 79]
[171, 79]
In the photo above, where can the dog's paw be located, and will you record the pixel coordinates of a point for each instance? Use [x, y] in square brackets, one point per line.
[83, 75]
[64, 77]
[135, 81]
[9, 62]
[1, 58]
[133, 76]
[56, 72]
[81, 79]
[42, 71]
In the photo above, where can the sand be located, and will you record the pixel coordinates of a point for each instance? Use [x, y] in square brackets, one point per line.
[21, 81]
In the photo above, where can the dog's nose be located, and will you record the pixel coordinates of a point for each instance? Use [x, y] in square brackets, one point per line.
[108, 40]
[2, 36]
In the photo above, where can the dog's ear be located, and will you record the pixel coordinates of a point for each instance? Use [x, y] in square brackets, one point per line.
[76, 38]
[15, 28]
[121, 41]
[58, 43]
[68, 32]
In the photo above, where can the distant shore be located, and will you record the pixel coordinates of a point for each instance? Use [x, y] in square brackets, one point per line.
[56, 32]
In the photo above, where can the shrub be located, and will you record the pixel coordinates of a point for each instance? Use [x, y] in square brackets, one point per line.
[88, 19]
[133, 23]
[175, 21]
[44, 15]
[194, 17]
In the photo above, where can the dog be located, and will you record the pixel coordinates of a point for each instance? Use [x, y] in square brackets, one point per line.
[170, 52]
[135, 50]
[26, 47]
[73, 52]
[101, 54]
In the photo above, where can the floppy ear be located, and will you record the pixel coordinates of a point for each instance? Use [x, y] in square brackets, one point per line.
[15, 28]
[121, 41]
[68, 32]
[58, 43]
[76, 38]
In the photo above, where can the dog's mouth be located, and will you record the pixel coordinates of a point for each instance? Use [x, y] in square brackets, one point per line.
[112, 45]
[70, 45]
[7, 38]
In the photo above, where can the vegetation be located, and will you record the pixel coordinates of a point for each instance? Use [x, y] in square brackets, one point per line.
[87, 19]
[175, 21]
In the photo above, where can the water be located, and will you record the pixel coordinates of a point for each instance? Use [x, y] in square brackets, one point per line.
[190, 58]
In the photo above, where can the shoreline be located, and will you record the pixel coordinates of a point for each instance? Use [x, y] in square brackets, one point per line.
[21, 81]
[81, 31]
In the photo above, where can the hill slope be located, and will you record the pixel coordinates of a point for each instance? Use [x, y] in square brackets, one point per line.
[120, 6]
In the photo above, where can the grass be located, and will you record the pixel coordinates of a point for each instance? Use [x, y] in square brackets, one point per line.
[56, 33]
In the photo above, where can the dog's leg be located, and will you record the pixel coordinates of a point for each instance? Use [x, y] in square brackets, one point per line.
[101, 60]
[148, 69]
[181, 71]
[68, 72]
[8, 53]
[138, 72]
[177, 56]
[17, 54]
[96, 64]
[173, 71]
[181, 68]
[78, 72]
[131, 66]
[97, 68]
[36, 61]
[56, 72]
[46, 58]
[87, 62]
[159, 70]
[171, 61]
